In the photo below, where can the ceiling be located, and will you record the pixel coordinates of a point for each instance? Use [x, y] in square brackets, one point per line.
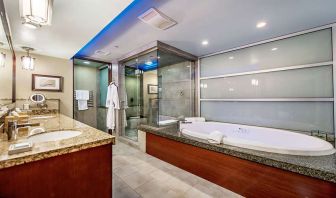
[74, 23]
[88, 63]
[224, 23]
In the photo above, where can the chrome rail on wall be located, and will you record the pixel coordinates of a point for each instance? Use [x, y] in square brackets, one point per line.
[270, 70]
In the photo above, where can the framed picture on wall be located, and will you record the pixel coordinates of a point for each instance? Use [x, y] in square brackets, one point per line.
[152, 89]
[47, 83]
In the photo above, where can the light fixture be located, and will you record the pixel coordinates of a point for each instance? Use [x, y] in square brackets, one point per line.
[2, 59]
[261, 24]
[205, 42]
[86, 62]
[231, 57]
[149, 62]
[27, 61]
[273, 49]
[35, 13]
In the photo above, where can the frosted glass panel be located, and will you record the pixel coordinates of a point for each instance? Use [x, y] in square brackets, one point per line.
[307, 82]
[302, 116]
[309, 48]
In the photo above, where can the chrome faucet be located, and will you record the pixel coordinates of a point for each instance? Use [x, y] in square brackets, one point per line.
[182, 122]
[13, 129]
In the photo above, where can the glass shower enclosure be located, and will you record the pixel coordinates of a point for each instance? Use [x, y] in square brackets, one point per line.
[158, 88]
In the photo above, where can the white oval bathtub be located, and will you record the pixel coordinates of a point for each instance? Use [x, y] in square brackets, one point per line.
[260, 138]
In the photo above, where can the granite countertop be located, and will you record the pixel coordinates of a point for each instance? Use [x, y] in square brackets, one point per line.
[89, 138]
[321, 167]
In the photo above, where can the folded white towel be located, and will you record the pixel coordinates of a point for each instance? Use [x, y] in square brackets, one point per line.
[82, 105]
[215, 137]
[195, 119]
[82, 95]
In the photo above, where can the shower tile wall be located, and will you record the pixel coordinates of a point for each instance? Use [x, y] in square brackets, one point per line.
[286, 84]
[176, 90]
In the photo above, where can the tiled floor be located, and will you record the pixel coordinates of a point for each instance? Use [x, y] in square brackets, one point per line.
[137, 174]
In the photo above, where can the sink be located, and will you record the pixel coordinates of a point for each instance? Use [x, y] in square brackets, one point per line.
[53, 136]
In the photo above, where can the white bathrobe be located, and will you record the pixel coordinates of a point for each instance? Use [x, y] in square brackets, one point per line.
[112, 103]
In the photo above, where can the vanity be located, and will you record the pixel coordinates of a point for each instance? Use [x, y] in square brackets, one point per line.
[67, 159]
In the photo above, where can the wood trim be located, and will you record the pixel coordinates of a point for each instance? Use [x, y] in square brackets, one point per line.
[86, 173]
[244, 177]
[14, 79]
[41, 75]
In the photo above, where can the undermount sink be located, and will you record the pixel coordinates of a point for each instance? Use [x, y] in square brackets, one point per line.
[53, 136]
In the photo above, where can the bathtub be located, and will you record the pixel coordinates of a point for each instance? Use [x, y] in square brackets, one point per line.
[260, 138]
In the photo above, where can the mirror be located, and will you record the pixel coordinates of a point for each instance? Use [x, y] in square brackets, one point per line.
[7, 62]
[37, 98]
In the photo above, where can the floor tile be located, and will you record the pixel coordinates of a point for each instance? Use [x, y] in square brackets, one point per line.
[137, 174]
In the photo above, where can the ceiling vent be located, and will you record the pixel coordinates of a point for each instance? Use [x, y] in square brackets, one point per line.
[102, 53]
[157, 19]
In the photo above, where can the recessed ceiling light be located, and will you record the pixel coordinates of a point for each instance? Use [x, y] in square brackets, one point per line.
[86, 62]
[149, 62]
[205, 42]
[273, 49]
[231, 57]
[261, 24]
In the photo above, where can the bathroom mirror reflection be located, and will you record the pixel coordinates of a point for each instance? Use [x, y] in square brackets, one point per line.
[6, 66]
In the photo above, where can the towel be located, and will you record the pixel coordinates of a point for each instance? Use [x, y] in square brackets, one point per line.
[112, 103]
[215, 137]
[195, 119]
[82, 96]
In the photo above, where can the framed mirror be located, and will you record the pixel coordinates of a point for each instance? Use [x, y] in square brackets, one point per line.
[7, 61]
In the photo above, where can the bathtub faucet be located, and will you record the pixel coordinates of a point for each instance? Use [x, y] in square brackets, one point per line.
[182, 122]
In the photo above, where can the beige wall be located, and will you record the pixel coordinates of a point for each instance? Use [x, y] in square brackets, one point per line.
[48, 66]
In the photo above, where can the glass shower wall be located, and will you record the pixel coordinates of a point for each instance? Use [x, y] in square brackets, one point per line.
[176, 88]
[138, 76]
[160, 91]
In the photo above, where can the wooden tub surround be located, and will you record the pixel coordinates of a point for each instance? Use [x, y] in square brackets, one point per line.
[244, 177]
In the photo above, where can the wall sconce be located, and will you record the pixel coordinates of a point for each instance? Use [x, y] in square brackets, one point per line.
[2, 59]
[27, 61]
[35, 13]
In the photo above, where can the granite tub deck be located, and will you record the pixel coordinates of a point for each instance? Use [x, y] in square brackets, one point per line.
[321, 167]
[89, 138]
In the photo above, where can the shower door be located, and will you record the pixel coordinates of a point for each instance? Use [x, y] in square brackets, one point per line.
[133, 78]
[139, 83]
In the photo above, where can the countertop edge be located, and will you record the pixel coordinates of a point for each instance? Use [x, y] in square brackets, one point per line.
[55, 152]
[319, 174]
